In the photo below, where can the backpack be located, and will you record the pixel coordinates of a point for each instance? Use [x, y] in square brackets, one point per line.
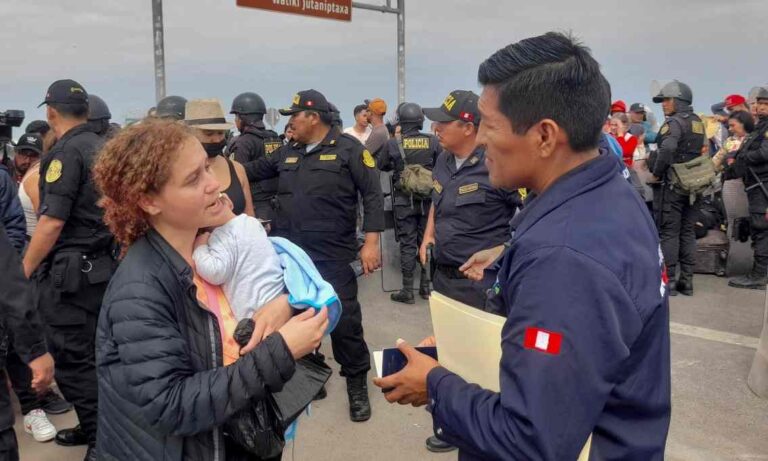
[415, 179]
[693, 177]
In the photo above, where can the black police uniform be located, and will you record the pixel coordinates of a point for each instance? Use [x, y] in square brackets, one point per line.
[411, 212]
[316, 208]
[470, 215]
[680, 140]
[253, 144]
[752, 164]
[74, 276]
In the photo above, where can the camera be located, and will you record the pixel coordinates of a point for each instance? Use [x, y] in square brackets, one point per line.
[8, 120]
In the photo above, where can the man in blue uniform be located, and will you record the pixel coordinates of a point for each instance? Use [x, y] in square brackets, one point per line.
[585, 347]
[468, 214]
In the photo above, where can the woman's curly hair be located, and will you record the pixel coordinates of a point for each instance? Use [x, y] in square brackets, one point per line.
[134, 163]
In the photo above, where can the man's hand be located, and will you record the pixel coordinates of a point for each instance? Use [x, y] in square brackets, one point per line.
[42, 372]
[270, 318]
[370, 254]
[409, 386]
[477, 263]
[202, 239]
[426, 241]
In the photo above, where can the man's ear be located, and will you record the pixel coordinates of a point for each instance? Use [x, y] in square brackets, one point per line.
[547, 133]
[148, 203]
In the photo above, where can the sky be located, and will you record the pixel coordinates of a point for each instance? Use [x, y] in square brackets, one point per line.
[215, 49]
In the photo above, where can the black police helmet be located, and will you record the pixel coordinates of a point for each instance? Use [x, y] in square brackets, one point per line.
[171, 107]
[410, 112]
[675, 89]
[248, 103]
[97, 108]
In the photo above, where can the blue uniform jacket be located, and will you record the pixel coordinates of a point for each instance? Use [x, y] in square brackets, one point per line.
[585, 348]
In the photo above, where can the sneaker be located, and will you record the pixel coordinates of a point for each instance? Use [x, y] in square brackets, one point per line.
[37, 424]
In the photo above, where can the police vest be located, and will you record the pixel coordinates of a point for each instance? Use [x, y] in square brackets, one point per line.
[420, 149]
[691, 139]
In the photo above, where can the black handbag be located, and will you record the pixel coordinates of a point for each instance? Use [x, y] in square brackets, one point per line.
[260, 428]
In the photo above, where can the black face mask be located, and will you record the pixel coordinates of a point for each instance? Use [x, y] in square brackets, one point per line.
[214, 148]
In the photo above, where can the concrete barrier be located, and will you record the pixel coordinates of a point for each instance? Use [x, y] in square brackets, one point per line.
[758, 375]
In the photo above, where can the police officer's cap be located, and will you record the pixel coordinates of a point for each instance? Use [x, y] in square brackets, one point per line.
[97, 108]
[248, 103]
[410, 112]
[30, 142]
[307, 100]
[65, 92]
[459, 105]
[675, 89]
[38, 126]
[171, 107]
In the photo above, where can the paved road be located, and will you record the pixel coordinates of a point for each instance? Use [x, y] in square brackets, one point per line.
[715, 416]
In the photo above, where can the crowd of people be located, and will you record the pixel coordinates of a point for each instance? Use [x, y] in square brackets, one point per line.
[133, 255]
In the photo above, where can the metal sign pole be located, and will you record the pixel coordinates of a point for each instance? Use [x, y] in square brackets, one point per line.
[157, 27]
[400, 12]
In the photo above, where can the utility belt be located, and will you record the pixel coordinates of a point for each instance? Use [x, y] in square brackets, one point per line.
[70, 269]
[452, 272]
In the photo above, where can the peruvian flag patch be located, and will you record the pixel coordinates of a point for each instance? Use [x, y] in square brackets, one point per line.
[542, 340]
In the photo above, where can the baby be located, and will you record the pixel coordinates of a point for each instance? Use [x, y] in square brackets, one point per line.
[239, 257]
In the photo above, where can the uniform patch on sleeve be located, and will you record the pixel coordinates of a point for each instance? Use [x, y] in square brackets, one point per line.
[542, 340]
[368, 159]
[467, 188]
[270, 147]
[664, 129]
[437, 186]
[697, 127]
[291, 159]
[327, 157]
[54, 171]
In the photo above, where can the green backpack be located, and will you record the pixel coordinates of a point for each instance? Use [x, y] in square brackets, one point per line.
[415, 180]
[693, 177]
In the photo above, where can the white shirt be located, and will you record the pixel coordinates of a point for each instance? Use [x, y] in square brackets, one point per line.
[240, 257]
[360, 137]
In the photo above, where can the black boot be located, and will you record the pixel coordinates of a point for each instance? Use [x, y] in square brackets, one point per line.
[751, 281]
[685, 284]
[357, 391]
[406, 294]
[672, 280]
[436, 445]
[72, 437]
[92, 454]
[424, 285]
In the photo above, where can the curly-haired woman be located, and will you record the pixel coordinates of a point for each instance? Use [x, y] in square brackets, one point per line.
[163, 333]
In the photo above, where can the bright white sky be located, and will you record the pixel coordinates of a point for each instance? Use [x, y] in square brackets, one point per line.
[215, 49]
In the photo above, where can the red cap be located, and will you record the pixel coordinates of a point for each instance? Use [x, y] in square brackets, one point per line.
[618, 106]
[734, 100]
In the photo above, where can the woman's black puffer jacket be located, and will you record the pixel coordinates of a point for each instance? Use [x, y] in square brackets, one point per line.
[163, 392]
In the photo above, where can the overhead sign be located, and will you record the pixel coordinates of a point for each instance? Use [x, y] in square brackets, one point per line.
[329, 9]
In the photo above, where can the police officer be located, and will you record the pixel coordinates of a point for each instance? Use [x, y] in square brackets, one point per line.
[99, 117]
[320, 175]
[171, 107]
[254, 142]
[468, 214]
[585, 343]
[680, 140]
[752, 164]
[74, 251]
[411, 211]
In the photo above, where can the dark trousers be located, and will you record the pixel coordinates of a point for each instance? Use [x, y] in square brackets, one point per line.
[21, 381]
[9, 447]
[347, 341]
[676, 221]
[71, 332]
[411, 223]
[462, 289]
[759, 234]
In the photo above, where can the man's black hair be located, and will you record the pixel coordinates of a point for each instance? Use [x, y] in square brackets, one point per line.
[359, 108]
[745, 118]
[550, 76]
[77, 110]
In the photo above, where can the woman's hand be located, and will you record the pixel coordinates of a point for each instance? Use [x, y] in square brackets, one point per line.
[268, 320]
[303, 333]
